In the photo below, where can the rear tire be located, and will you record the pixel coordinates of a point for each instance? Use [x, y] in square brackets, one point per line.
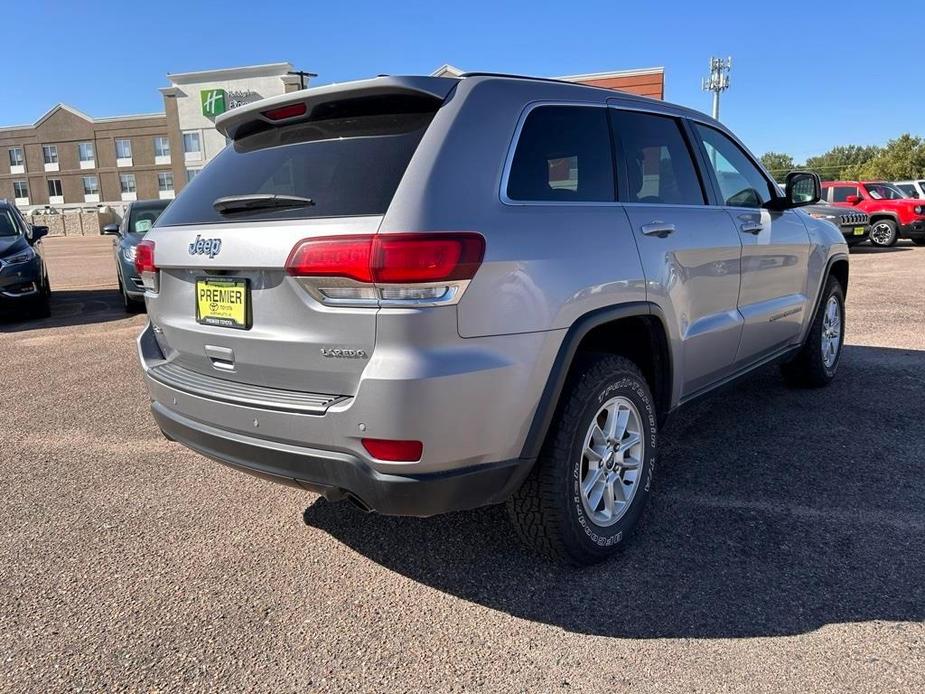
[883, 233]
[818, 359]
[587, 490]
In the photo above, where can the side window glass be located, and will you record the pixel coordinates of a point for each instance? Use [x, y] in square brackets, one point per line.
[563, 155]
[656, 158]
[842, 193]
[741, 184]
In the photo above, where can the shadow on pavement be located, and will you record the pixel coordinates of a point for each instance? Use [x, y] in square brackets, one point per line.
[776, 511]
[71, 307]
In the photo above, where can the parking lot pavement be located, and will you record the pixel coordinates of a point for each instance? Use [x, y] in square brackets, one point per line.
[783, 549]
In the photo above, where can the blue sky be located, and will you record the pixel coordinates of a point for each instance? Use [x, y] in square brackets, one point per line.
[798, 85]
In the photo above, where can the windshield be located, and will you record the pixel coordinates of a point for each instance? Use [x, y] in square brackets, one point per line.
[346, 161]
[143, 215]
[8, 226]
[884, 191]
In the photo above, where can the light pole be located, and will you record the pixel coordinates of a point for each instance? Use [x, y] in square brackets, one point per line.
[718, 81]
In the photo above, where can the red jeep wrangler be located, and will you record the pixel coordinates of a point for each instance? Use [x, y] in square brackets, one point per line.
[892, 214]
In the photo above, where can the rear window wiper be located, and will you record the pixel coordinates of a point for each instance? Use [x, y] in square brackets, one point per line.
[259, 201]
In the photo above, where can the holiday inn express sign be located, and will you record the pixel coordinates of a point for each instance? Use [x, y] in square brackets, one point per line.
[213, 102]
[216, 101]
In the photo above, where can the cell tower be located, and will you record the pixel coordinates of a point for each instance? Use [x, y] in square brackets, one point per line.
[718, 81]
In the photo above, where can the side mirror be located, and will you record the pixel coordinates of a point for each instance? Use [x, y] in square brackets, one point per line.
[110, 230]
[853, 200]
[37, 233]
[802, 188]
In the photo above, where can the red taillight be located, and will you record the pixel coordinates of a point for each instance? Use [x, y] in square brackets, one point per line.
[395, 451]
[144, 257]
[332, 256]
[390, 258]
[283, 112]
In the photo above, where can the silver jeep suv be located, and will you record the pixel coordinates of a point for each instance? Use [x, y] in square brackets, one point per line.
[429, 294]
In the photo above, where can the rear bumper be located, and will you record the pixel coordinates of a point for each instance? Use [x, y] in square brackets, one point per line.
[337, 475]
[468, 419]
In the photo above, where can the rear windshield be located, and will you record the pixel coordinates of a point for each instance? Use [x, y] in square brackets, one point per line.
[144, 214]
[348, 159]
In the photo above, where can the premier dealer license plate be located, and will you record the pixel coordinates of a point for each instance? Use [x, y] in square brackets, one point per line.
[224, 302]
[859, 231]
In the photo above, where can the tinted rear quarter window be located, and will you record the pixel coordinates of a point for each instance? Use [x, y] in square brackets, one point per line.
[657, 161]
[563, 155]
[348, 158]
[842, 193]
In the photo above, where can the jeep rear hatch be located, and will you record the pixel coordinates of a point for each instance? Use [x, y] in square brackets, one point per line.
[224, 302]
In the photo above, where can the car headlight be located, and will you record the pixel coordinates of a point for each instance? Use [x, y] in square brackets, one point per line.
[919, 209]
[129, 253]
[821, 215]
[21, 257]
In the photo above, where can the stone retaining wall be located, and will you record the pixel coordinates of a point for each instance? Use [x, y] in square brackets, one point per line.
[76, 223]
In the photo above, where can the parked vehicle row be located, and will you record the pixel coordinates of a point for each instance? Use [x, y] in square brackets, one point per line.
[427, 294]
[893, 215]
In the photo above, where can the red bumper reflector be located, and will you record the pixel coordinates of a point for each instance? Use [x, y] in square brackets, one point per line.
[395, 451]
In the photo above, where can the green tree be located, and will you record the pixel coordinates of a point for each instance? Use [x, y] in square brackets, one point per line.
[842, 162]
[778, 164]
[902, 158]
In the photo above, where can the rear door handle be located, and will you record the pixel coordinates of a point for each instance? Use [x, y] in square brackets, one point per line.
[752, 227]
[657, 228]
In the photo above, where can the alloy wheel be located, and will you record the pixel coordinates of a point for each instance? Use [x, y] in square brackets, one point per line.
[831, 332]
[611, 461]
[881, 234]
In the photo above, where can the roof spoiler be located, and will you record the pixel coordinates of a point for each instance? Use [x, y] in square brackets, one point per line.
[305, 101]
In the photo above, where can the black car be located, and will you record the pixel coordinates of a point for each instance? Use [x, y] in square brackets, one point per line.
[136, 222]
[24, 287]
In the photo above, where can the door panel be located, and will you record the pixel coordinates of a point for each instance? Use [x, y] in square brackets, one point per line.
[693, 275]
[772, 297]
[775, 248]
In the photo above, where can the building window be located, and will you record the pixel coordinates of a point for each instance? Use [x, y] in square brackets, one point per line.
[50, 154]
[91, 185]
[85, 151]
[16, 156]
[20, 189]
[54, 188]
[123, 149]
[191, 174]
[165, 181]
[127, 183]
[192, 146]
[161, 147]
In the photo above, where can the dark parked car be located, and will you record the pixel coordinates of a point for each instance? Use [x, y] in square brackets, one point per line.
[24, 286]
[136, 222]
[853, 224]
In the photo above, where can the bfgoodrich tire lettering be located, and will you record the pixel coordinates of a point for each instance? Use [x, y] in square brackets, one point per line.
[549, 511]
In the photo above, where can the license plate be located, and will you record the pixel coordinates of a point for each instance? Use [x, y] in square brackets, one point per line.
[859, 231]
[224, 302]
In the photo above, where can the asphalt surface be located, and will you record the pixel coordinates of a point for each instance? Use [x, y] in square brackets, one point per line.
[783, 550]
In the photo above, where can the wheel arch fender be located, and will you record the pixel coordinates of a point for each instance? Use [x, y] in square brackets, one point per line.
[838, 266]
[660, 376]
